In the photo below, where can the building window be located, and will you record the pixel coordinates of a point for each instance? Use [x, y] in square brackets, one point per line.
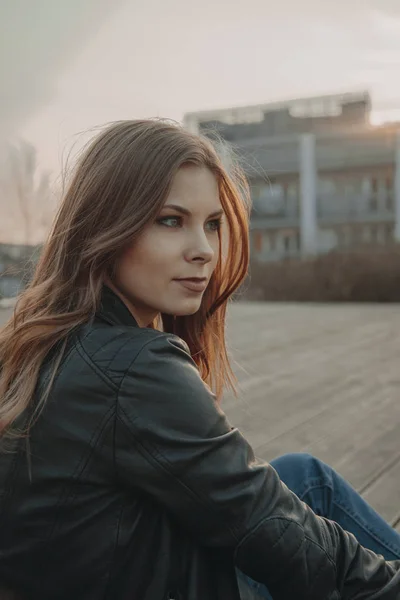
[389, 233]
[389, 192]
[292, 199]
[326, 187]
[269, 199]
[375, 234]
[258, 241]
[345, 237]
[286, 243]
[373, 199]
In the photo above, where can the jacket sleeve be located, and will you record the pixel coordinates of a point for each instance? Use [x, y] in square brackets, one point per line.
[174, 443]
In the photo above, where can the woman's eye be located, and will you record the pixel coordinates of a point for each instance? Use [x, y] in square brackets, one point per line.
[174, 222]
[170, 221]
[214, 225]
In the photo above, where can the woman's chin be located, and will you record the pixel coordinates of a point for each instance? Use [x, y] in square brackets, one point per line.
[185, 311]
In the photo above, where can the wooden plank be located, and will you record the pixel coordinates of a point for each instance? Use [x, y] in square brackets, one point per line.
[365, 464]
[383, 494]
[282, 346]
[333, 433]
[288, 406]
[321, 380]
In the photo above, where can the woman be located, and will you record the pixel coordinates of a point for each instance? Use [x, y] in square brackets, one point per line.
[120, 475]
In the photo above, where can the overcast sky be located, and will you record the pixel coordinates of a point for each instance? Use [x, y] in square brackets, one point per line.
[166, 57]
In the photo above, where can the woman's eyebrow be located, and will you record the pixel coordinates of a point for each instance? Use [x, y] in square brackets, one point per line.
[187, 212]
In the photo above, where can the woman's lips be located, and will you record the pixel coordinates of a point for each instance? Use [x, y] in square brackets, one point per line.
[193, 284]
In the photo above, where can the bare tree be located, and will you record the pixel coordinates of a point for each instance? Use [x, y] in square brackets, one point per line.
[28, 190]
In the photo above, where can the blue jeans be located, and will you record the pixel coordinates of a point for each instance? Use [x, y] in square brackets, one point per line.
[330, 496]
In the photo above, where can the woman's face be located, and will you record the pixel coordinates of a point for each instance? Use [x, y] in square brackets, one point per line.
[169, 267]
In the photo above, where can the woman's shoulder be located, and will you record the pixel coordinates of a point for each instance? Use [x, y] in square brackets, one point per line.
[114, 349]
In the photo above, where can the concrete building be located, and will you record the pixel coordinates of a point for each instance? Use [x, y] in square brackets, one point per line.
[321, 176]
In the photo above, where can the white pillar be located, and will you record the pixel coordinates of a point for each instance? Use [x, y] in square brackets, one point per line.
[308, 195]
[397, 188]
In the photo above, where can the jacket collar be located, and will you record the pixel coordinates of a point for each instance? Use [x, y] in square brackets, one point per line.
[113, 310]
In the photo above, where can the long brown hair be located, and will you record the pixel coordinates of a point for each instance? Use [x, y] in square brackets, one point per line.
[119, 186]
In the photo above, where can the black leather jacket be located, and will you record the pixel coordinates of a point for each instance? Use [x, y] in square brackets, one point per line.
[137, 487]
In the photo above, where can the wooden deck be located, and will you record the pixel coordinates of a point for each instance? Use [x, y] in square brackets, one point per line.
[323, 379]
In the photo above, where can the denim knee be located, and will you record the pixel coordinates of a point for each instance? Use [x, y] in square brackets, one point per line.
[297, 461]
[302, 471]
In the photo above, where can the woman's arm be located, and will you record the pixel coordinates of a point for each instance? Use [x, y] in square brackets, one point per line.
[174, 443]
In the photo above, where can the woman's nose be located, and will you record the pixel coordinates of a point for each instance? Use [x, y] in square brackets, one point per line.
[200, 250]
